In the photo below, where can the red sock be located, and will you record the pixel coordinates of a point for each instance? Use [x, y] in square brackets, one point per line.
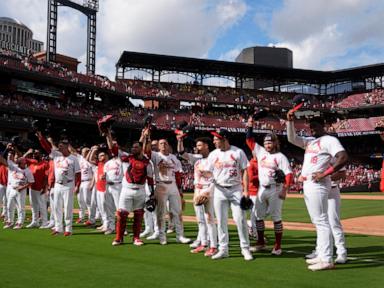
[121, 222]
[137, 219]
[278, 226]
[260, 227]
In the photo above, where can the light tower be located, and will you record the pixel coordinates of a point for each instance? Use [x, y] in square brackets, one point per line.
[89, 8]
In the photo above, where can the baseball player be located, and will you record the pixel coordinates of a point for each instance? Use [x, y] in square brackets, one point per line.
[137, 171]
[3, 190]
[168, 188]
[37, 197]
[229, 167]
[49, 188]
[203, 183]
[20, 179]
[253, 188]
[382, 168]
[334, 218]
[67, 181]
[271, 191]
[316, 171]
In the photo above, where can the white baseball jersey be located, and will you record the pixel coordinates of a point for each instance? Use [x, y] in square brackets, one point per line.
[226, 166]
[165, 166]
[202, 175]
[86, 169]
[113, 170]
[319, 153]
[65, 167]
[268, 163]
[18, 176]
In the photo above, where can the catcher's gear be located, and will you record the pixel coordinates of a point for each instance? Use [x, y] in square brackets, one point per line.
[150, 204]
[105, 123]
[201, 200]
[279, 176]
[246, 203]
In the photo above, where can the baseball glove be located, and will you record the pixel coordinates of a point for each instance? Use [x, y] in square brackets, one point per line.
[279, 176]
[246, 203]
[150, 204]
[201, 200]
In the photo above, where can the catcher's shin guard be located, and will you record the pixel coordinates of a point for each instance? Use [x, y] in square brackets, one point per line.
[137, 220]
[121, 222]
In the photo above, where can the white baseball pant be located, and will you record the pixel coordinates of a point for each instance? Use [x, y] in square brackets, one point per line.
[39, 206]
[115, 190]
[150, 219]
[16, 199]
[107, 209]
[316, 200]
[132, 199]
[3, 200]
[63, 204]
[223, 199]
[268, 202]
[84, 198]
[168, 192]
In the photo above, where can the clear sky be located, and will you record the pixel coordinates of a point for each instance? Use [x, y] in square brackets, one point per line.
[323, 34]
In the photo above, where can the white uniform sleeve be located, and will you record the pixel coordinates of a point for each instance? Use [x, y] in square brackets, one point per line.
[210, 164]
[55, 153]
[77, 165]
[244, 163]
[293, 138]
[150, 172]
[257, 150]
[284, 165]
[12, 165]
[29, 176]
[178, 166]
[154, 158]
[334, 146]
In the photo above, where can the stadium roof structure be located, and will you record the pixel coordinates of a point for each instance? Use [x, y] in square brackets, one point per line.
[156, 62]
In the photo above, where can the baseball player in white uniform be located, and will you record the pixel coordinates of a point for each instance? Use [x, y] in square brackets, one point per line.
[203, 182]
[271, 193]
[114, 175]
[3, 190]
[316, 171]
[168, 188]
[67, 181]
[229, 167]
[19, 179]
[334, 202]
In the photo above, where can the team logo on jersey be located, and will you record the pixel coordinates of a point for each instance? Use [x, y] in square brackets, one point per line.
[313, 147]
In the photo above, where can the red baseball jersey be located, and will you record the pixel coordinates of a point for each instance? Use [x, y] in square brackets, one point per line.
[136, 171]
[253, 177]
[3, 175]
[101, 182]
[39, 172]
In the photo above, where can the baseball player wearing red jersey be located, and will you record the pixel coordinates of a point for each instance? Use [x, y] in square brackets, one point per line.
[315, 174]
[67, 181]
[3, 190]
[229, 167]
[137, 171]
[203, 182]
[37, 197]
[19, 179]
[271, 193]
[168, 188]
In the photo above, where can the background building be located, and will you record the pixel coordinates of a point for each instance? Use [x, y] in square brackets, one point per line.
[17, 37]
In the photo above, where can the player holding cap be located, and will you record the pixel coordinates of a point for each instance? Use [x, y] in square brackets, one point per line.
[229, 167]
[272, 191]
[317, 168]
[67, 181]
[203, 182]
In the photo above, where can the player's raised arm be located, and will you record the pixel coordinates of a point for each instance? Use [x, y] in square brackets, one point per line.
[44, 142]
[291, 131]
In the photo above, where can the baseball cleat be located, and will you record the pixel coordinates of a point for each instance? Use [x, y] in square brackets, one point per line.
[169, 231]
[312, 255]
[89, 223]
[146, 233]
[183, 240]
[341, 259]
[32, 225]
[313, 261]
[138, 242]
[18, 226]
[321, 266]
[67, 233]
[198, 249]
[117, 242]
[8, 225]
[258, 248]
[163, 240]
[210, 252]
[247, 254]
[220, 255]
[109, 232]
[79, 221]
[55, 233]
[195, 244]
[154, 236]
[276, 252]
[100, 228]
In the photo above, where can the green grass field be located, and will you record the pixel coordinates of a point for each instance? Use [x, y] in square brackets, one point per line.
[33, 258]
